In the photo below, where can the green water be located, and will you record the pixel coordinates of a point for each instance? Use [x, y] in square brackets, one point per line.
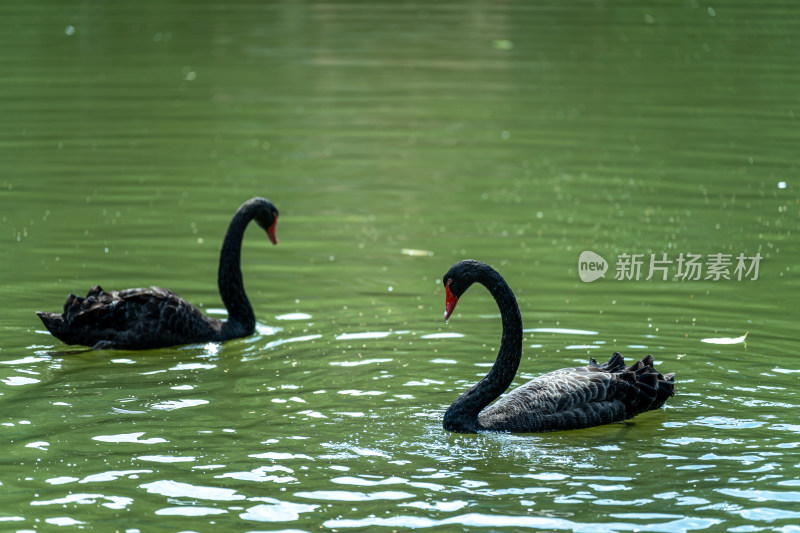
[396, 139]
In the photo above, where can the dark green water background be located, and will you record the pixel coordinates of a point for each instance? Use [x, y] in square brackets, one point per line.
[397, 138]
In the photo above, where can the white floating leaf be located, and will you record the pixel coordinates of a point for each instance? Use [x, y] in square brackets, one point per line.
[725, 340]
[416, 253]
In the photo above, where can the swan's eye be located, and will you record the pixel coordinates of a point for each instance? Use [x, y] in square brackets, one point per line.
[449, 281]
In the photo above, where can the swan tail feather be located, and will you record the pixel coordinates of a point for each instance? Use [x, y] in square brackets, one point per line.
[52, 321]
[648, 389]
[615, 364]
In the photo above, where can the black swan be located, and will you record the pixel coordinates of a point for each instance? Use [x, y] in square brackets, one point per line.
[570, 398]
[138, 319]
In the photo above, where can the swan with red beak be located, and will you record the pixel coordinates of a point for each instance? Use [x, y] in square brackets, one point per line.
[145, 318]
[568, 398]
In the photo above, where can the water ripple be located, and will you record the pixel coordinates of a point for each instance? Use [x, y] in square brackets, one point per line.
[350, 496]
[768, 514]
[443, 335]
[279, 342]
[166, 458]
[761, 495]
[359, 481]
[129, 437]
[112, 502]
[16, 381]
[492, 522]
[193, 510]
[171, 405]
[260, 475]
[280, 456]
[113, 475]
[293, 316]
[360, 362]
[562, 331]
[176, 489]
[363, 335]
[276, 511]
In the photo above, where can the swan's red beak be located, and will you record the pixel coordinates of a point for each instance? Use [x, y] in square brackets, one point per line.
[271, 232]
[449, 303]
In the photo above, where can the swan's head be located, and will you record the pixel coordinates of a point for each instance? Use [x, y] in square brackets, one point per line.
[456, 282]
[267, 218]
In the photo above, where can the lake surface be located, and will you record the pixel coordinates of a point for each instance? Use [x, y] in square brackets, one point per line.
[396, 139]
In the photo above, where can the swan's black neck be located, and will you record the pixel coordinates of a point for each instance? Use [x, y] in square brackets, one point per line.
[241, 320]
[462, 416]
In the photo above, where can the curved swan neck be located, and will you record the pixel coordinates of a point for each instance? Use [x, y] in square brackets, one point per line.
[241, 320]
[462, 416]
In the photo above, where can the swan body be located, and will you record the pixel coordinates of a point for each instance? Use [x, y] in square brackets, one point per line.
[570, 398]
[137, 319]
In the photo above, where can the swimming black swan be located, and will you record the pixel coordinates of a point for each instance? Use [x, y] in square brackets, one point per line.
[138, 319]
[570, 398]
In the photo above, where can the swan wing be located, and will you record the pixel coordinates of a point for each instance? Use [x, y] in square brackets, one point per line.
[142, 317]
[580, 397]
